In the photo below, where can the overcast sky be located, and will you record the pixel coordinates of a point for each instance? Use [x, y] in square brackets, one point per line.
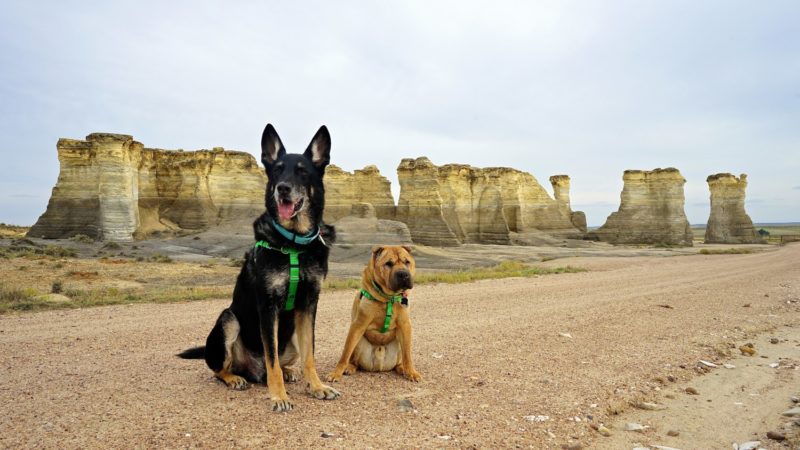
[584, 88]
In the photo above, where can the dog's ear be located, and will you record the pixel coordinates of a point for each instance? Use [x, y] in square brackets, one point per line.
[319, 150]
[376, 251]
[407, 248]
[271, 146]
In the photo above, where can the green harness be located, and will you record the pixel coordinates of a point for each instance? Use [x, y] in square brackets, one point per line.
[391, 300]
[294, 271]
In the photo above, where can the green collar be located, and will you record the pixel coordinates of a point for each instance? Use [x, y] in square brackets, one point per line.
[294, 270]
[390, 301]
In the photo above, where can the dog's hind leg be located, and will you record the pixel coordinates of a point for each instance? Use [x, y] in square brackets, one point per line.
[288, 358]
[219, 350]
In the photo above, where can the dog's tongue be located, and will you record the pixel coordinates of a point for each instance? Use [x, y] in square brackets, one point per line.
[285, 210]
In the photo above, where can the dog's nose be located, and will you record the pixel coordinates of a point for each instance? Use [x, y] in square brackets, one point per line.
[403, 276]
[283, 189]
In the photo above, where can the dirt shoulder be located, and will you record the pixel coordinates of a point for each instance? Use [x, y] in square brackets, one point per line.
[510, 363]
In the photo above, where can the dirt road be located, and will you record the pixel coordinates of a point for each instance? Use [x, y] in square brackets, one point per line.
[506, 363]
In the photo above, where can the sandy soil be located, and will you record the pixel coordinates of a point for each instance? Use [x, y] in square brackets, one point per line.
[492, 354]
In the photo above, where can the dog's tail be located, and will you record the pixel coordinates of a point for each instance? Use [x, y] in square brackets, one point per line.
[193, 353]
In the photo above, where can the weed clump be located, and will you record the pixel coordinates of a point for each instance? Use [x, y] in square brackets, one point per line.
[725, 251]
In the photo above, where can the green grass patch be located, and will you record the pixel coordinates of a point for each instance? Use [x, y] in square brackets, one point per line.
[23, 249]
[31, 300]
[12, 299]
[17, 299]
[82, 238]
[508, 269]
[726, 251]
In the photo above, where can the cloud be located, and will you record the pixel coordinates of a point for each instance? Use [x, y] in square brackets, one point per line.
[546, 87]
[796, 188]
[20, 195]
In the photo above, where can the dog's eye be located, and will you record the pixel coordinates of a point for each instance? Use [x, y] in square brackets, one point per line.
[279, 168]
[300, 170]
[405, 262]
[389, 264]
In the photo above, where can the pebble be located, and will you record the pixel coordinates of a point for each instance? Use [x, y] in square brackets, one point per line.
[566, 335]
[692, 391]
[444, 437]
[405, 405]
[327, 435]
[749, 445]
[537, 418]
[776, 436]
[774, 365]
[795, 399]
[630, 426]
[572, 446]
[728, 366]
[671, 378]
[601, 429]
[673, 433]
[708, 364]
[650, 406]
[794, 412]
[663, 447]
[774, 341]
[748, 349]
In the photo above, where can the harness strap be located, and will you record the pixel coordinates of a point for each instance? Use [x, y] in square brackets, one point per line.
[294, 271]
[390, 301]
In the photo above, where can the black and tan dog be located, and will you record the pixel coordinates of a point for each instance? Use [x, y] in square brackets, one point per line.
[270, 323]
[379, 338]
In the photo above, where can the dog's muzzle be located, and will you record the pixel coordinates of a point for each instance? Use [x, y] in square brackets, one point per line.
[402, 280]
[288, 206]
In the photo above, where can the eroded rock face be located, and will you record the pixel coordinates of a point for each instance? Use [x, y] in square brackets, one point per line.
[561, 193]
[362, 227]
[650, 212]
[728, 222]
[111, 187]
[344, 189]
[456, 203]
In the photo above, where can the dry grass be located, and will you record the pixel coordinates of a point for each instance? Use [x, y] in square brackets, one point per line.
[8, 231]
[726, 251]
[33, 280]
[508, 269]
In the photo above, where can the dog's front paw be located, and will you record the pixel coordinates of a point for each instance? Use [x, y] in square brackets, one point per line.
[324, 393]
[334, 376]
[281, 405]
[411, 374]
[350, 369]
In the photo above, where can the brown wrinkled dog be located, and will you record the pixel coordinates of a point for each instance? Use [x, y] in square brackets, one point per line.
[370, 344]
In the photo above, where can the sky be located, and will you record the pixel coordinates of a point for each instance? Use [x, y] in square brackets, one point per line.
[584, 88]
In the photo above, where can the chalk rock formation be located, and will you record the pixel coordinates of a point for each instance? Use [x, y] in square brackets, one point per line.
[650, 212]
[111, 187]
[362, 227]
[344, 189]
[728, 222]
[455, 204]
[561, 193]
